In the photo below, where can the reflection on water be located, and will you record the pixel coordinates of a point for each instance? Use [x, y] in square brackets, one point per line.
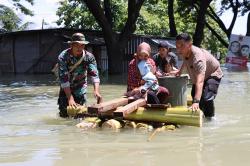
[236, 68]
[32, 134]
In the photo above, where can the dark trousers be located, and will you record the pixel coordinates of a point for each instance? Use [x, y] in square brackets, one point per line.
[157, 97]
[63, 102]
[209, 92]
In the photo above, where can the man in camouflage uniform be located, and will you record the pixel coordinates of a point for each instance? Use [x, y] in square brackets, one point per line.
[73, 82]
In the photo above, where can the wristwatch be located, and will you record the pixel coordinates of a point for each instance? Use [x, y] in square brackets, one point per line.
[195, 101]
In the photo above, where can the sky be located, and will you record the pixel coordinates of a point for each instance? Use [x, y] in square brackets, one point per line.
[42, 9]
[46, 9]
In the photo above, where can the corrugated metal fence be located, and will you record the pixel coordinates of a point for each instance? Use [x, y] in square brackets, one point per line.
[37, 51]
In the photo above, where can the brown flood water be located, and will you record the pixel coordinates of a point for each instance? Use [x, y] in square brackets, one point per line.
[31, 133]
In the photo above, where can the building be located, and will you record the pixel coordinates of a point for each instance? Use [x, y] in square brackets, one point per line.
[36, 51]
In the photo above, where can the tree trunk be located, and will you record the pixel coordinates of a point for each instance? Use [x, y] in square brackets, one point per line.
[219, 37]
[248, 25]
[115, 52]
[115, 43]
[213, 15]
[172, 26]
[108, 12]
[199, 30]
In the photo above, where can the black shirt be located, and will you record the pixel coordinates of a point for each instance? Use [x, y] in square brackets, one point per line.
[161, 62]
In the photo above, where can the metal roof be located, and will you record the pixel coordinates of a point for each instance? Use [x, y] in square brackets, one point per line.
[170, 42]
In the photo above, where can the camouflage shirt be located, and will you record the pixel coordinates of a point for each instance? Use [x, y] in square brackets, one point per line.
[77, 79]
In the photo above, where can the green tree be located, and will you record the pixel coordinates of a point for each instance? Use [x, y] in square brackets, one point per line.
[19, 6]
[197, 9]
[157, 17]
[214, 38]
[75, 14]
[153, 19]
[9, 21]
[115, 42]
[246, 9]
[171, 18]
[110, 16]
[236, 6]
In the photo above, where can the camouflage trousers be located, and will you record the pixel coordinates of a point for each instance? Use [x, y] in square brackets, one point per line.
[63, 102]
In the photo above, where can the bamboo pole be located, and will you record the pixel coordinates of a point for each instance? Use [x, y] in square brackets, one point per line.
[154, 132]
[176, 115]
[189, 100]
[71, 111]
[181, 110]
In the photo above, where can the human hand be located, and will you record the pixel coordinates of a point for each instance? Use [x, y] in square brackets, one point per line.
[98, 97]
[177, 73]
[172, 73]
[71, 102]
[142, 82]
[135, 91]
[194, 107]
[158, 74]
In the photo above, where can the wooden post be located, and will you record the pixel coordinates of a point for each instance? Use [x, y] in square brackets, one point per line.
[124, 111]
[107, 106]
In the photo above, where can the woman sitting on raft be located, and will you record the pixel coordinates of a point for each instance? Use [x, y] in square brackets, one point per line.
[142, 82]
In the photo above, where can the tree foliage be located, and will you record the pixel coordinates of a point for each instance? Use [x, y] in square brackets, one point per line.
[154, 18]
[75, 14]
[9, 21]
[19, 6]
[236, 6]
[214, 38]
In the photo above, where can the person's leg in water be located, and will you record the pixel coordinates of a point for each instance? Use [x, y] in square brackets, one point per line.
[210, 89]
[63, 103]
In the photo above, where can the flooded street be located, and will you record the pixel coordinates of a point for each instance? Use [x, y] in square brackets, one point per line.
[31, 133]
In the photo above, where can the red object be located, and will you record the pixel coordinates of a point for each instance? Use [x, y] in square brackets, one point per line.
[242, 60]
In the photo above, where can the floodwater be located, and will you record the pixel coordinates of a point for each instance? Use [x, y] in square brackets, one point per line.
[31, 133]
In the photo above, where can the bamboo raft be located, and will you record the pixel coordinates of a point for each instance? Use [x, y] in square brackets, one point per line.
[139, 111]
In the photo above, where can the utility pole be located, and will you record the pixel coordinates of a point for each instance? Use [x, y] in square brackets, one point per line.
[248, 25]
[42, 23]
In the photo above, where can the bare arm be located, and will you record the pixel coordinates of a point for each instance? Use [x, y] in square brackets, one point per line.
[97, 92]
[200, 66]
[199, 86]
[178, 73]
[70, 97]
[64, 79]
[94, 74]
[198, 91]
